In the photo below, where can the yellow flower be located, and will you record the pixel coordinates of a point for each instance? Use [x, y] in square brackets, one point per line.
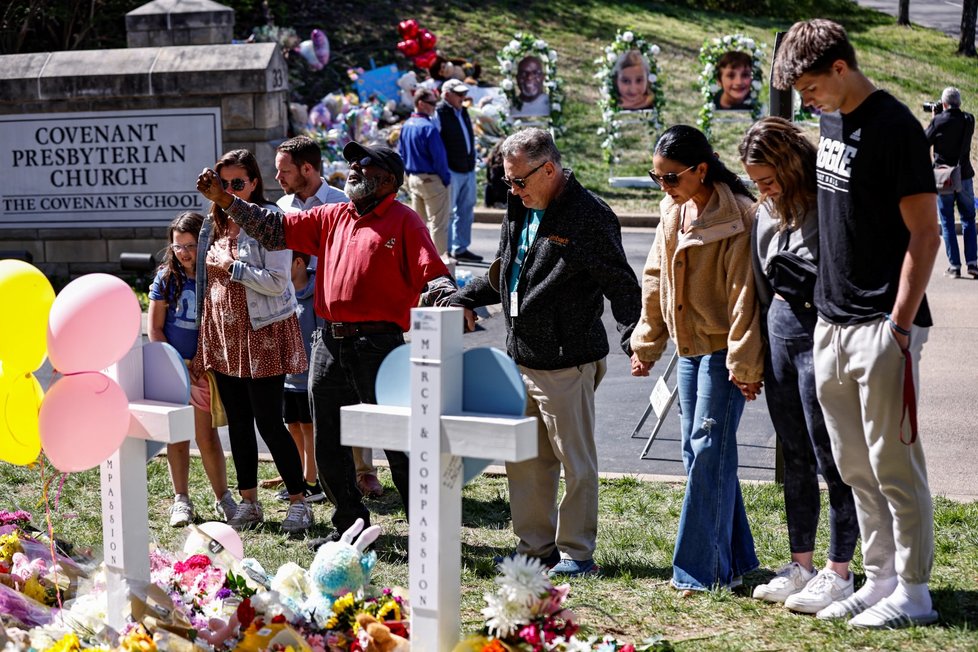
[138, 640]
[344, 603]
[68, 643]
[34, 590]
[389, 607]
[9, 544]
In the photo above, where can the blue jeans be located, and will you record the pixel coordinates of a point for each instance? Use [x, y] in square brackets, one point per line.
[965, 200]
[343, 372]
[714, 543]
[789, 383]
[463, 207]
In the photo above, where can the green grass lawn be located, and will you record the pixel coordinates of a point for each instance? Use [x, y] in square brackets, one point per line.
[914, 64]
[636, 532]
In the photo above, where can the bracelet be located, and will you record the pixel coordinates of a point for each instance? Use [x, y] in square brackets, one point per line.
[897, 327]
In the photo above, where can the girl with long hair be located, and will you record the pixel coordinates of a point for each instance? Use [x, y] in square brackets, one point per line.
[698, 289]
[172, 305]
[250, 338]
[781, 162]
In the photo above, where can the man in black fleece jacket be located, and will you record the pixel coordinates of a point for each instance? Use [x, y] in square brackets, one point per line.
[561, 254]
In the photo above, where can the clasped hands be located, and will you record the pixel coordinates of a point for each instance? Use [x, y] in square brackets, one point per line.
[750, 390]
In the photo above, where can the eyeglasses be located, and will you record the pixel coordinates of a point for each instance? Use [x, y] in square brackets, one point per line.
[236, 184]
[179, 248]
[521, 182]
[670, 179]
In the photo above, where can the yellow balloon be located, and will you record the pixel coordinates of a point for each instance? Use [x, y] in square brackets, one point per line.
[26, 296]
[20, 403]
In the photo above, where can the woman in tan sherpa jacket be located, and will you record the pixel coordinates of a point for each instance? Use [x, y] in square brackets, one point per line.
[698, 289]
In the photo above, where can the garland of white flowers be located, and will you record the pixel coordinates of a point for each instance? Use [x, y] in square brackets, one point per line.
[522, 46]
[710, 54]
[608, 103]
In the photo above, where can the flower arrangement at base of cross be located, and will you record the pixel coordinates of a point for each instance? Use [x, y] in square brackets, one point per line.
[610, 103]
[523, 46]
[710, 54]
[528, 614]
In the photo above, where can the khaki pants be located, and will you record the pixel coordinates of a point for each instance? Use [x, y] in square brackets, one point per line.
[563, 401]
[859, 372]
[431, 199]
[363, 460]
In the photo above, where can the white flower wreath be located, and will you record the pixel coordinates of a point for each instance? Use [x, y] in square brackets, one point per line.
[522, 46]
[609, 102]
[710, 54]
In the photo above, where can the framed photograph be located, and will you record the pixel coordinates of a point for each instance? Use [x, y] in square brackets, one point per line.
[529, 79]
[630, 90]
[731, 77]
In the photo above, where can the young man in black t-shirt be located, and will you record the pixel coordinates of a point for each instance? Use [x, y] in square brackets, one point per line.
[878, 243]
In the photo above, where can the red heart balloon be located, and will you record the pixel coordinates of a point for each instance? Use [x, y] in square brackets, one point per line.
[408, 28]
[425, 59]
[427, 40]
[409, 48]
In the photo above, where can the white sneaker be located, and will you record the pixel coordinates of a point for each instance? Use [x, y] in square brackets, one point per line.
[299, 518]
[226, 507]
[824, 589]
[181, 512]
[247, 516]
[791, 579]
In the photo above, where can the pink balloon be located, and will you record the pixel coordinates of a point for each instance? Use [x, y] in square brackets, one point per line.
[223, 533]
[94, 321]
[320, 45]
[83, 420]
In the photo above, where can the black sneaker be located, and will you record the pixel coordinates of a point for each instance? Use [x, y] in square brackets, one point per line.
[314, 493]
[953, 272]
[973, 270]
[467, 255]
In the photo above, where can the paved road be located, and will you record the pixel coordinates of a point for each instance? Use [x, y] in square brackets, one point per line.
[944, 15]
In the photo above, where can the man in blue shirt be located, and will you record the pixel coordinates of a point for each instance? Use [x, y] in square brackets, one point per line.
[426, 165]
[459, 139]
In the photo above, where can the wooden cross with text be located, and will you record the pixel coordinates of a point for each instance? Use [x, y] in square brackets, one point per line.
[437, 434]
[125, 521]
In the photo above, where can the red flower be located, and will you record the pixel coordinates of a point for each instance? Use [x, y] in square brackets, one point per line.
[397, 627]
[246, 613]
[278, 620]
[628, 648]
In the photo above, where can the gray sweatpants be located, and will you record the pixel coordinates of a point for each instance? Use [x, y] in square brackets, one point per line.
[859, 373]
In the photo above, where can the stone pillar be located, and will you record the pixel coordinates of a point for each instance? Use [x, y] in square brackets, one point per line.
[179, 22]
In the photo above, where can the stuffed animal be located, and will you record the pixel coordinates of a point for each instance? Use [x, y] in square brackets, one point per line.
[375, 636]
[407, 83]
[341, 567]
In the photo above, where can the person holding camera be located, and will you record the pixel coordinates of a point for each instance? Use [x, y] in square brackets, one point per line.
[950, 133]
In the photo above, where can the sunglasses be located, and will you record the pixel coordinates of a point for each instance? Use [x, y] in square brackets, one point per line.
[367, 161]
[179, 248]
[236, 184]
[670, 179]
[521, 182]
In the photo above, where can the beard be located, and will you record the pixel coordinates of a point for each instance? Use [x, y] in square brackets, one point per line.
[362, 189]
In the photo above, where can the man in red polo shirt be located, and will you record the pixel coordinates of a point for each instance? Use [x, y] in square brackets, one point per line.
[375, 259]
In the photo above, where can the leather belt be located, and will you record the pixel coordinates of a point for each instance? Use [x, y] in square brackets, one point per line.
[339, 329]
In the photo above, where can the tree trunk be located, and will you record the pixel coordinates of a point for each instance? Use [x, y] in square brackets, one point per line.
[969, 12]
[903, 17]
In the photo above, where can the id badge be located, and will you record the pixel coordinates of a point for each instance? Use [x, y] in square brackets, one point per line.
[514, 304]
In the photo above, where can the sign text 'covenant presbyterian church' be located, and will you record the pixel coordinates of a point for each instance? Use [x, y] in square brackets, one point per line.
[118, 168]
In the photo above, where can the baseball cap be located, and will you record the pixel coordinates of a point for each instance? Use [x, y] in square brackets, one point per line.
[384, 157]
[455, 86]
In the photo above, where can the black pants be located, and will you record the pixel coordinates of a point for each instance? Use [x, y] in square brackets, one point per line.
[343, 372]
[789, 377]
[248, 401]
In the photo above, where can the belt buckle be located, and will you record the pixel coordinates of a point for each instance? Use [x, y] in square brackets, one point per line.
[336, 330]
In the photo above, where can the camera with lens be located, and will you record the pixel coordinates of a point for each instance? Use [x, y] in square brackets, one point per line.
[933, 107]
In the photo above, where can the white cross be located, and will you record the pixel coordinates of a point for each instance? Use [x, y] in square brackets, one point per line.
[438, 434]
[125, 520]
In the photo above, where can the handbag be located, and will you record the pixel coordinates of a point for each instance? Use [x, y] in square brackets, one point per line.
[792, 276]
[947, 178]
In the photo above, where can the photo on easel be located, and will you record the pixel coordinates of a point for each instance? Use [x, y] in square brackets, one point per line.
[731, 80]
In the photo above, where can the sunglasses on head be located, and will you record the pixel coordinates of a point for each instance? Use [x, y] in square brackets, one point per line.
[521, 181]
[669, 179]
[236, 184]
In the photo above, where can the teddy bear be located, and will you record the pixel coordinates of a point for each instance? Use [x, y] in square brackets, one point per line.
[407, 83]
[375, 636]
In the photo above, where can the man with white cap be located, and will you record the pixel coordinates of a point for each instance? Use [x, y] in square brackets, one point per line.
[459, 139]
